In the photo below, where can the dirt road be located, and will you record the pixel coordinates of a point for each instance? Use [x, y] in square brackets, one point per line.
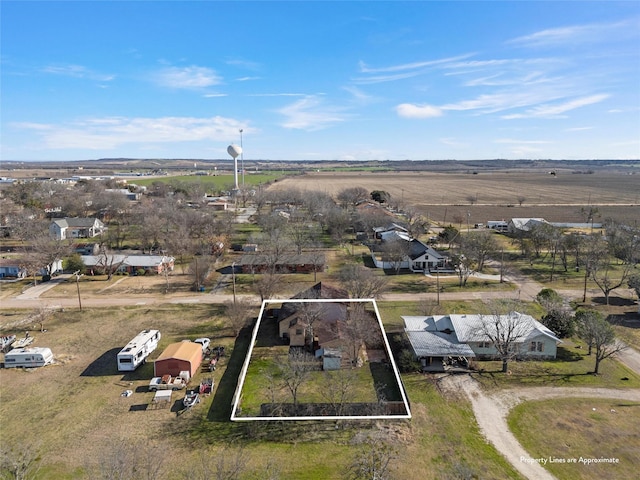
[491, 411]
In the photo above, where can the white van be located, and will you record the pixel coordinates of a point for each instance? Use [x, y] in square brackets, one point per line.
[28, 357]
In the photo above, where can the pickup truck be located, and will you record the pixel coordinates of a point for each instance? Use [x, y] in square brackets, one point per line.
[167, 382]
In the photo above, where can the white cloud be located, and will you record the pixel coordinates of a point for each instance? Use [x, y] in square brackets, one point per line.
[77, 71]
[550, 110]
[311, 114]
[578, 34]
[521, 142]
[410, 66]
[187, 77]
[110, 132]
[409, 110]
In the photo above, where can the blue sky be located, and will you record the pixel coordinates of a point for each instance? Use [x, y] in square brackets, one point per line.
[357, 80]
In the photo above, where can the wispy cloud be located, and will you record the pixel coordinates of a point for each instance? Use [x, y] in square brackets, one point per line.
[577, 34]
[401, 71]
[554, 110]
[282, 94]
[310, 114]
[409, 110]
[110, 132]
[77, 71]
[187, 77]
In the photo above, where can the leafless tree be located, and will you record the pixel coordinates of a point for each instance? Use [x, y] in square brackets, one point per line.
[479, 246]
[362, 282]
[19, 463]
[503, 327]
[337, 389]
[416, 223]
[200, 269]
[238, 314]
[124, 460]
[267, 285]
[521, 199]
[600, 335]
[396, 251]
[352, 196]
[464, 267]
[229, 464]
[373, 462]
[295, 370]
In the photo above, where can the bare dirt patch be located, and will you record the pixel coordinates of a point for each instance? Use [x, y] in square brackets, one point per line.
[491, 196]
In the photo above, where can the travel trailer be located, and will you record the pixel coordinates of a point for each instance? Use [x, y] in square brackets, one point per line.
[137, 350]
[28, 357]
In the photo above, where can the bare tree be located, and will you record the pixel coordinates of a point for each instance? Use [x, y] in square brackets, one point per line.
[479, 246]
[338, 389]
[267, 285]
[601, 274]
[599, 334]
[464, 267]
[124, 460]
[503, 330]
[237, 312]
[634, 283]
[362, 282]
[352, 196]
[521, 199]
[21, 463]
[373, 461]
[396, 251]
[417, 224]
[295, 370]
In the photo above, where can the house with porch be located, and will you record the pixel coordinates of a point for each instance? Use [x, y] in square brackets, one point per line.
[418, 257]
[63, 228]
[130, 264]
[439, 341]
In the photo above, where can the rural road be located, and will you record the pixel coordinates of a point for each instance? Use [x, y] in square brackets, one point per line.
[490, 410]
[491, 413]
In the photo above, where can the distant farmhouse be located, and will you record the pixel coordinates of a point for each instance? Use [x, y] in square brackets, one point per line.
[64, 228]
[12, 268]
[412, 254]
[132, 264]
[440, 340]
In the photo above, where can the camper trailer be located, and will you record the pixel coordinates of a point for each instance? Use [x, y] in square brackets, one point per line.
[28, 357]
[137, 350]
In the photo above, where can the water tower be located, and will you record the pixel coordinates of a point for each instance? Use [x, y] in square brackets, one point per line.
[235, 151]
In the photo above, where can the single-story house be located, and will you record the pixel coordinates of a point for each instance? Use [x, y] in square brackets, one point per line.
[419, 257]
[132, 196]
[63, 228]
[438, 338]
[128, 263]
[379, 232]
[178, 357]
[11, 268]
[524, 224]
[289, 263]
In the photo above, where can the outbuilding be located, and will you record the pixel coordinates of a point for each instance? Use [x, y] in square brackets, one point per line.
[179, 357]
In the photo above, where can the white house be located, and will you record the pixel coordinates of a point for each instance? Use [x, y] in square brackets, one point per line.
[419, 257]
[436, 338]
[128, 263]
[63, 228]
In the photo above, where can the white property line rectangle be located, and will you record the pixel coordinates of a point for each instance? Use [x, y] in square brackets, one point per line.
[245, 367]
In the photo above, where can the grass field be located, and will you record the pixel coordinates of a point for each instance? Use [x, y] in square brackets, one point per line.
[562, 430]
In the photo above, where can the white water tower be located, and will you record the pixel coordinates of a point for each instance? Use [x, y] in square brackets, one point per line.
[234, 151]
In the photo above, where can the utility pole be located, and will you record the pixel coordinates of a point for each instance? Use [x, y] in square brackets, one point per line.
[77, 274]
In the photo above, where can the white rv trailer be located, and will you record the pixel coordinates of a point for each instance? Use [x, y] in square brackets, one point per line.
[137, 350]
[28, 357]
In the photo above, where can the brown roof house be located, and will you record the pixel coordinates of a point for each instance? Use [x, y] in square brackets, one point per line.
[178, 357]
[321, 327]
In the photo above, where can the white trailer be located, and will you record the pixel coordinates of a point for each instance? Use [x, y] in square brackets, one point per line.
[28, 357]
[137, 350]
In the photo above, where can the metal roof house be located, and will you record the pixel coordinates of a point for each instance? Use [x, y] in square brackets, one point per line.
[437, 339]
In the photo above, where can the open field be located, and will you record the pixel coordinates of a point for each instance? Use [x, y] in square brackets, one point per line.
[448, 197]
[73, 415]
[613, 428]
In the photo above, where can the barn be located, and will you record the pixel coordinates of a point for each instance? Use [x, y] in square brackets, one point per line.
[179, 357]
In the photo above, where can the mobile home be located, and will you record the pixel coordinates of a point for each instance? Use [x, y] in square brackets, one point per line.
[28, 357]
[137, 350]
